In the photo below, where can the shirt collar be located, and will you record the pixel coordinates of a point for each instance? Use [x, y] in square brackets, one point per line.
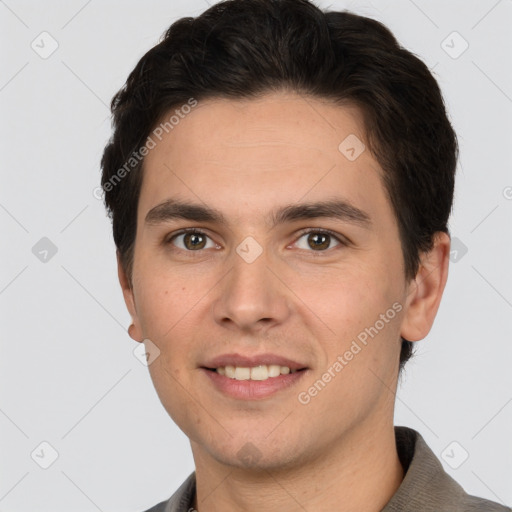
[426, 485]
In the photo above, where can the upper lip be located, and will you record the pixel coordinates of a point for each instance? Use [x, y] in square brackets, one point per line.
[251, 361]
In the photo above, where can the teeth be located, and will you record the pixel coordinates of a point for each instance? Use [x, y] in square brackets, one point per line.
[274, 370]
[262, 372]
[242, 373]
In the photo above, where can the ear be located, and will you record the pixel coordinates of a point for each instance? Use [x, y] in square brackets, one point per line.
[425, 291]
[134, 330]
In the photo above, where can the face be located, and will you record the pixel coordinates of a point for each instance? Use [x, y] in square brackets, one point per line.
[259, 273]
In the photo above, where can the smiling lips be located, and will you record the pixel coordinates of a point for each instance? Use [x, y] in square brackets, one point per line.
[256, 368]
[261, 372]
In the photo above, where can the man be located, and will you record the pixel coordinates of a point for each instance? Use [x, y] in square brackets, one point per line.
[280, 181]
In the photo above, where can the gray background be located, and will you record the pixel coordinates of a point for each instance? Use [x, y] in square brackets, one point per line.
[68, 375]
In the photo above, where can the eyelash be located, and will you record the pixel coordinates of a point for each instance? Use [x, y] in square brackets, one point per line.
[341, 240]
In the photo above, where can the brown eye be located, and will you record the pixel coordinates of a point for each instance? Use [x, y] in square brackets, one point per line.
[192, 241]
[318, 240]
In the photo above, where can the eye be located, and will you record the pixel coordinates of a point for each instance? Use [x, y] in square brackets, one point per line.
[319, 240]
[192, 240]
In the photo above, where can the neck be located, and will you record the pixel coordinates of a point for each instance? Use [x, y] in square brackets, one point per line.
[362, 472]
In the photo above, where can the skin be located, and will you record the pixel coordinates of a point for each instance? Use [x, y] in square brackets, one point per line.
[247, 158]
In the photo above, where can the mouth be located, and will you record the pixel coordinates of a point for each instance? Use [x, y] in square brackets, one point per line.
[253, 377]
[260, 372]
[260, 388]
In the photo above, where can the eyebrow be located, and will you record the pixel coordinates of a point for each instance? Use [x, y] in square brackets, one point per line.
[340, 209]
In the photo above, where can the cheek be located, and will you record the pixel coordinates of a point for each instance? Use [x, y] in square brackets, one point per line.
[158, 306]
[363, 310]
[347, 299]
[166, 307]
[165, 298]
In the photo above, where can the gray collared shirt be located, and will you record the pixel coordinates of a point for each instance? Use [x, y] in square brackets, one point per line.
[426, 486]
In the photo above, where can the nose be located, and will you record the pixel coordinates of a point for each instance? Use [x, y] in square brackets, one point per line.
[251, 297]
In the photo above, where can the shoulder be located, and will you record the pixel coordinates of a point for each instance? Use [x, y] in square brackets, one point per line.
[160, 507]
[181, 500]
[426, 486]
[474, 504]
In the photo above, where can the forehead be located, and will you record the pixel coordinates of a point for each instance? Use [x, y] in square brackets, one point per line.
[285, 123]
[254, 154]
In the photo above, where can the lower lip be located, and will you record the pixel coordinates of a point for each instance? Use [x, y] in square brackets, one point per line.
[253, 389]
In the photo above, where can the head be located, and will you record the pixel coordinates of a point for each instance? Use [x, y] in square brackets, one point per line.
[246, 109]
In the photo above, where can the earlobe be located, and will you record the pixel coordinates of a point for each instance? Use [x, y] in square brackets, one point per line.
[426, 291]
[132, 332]
[134, 329]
